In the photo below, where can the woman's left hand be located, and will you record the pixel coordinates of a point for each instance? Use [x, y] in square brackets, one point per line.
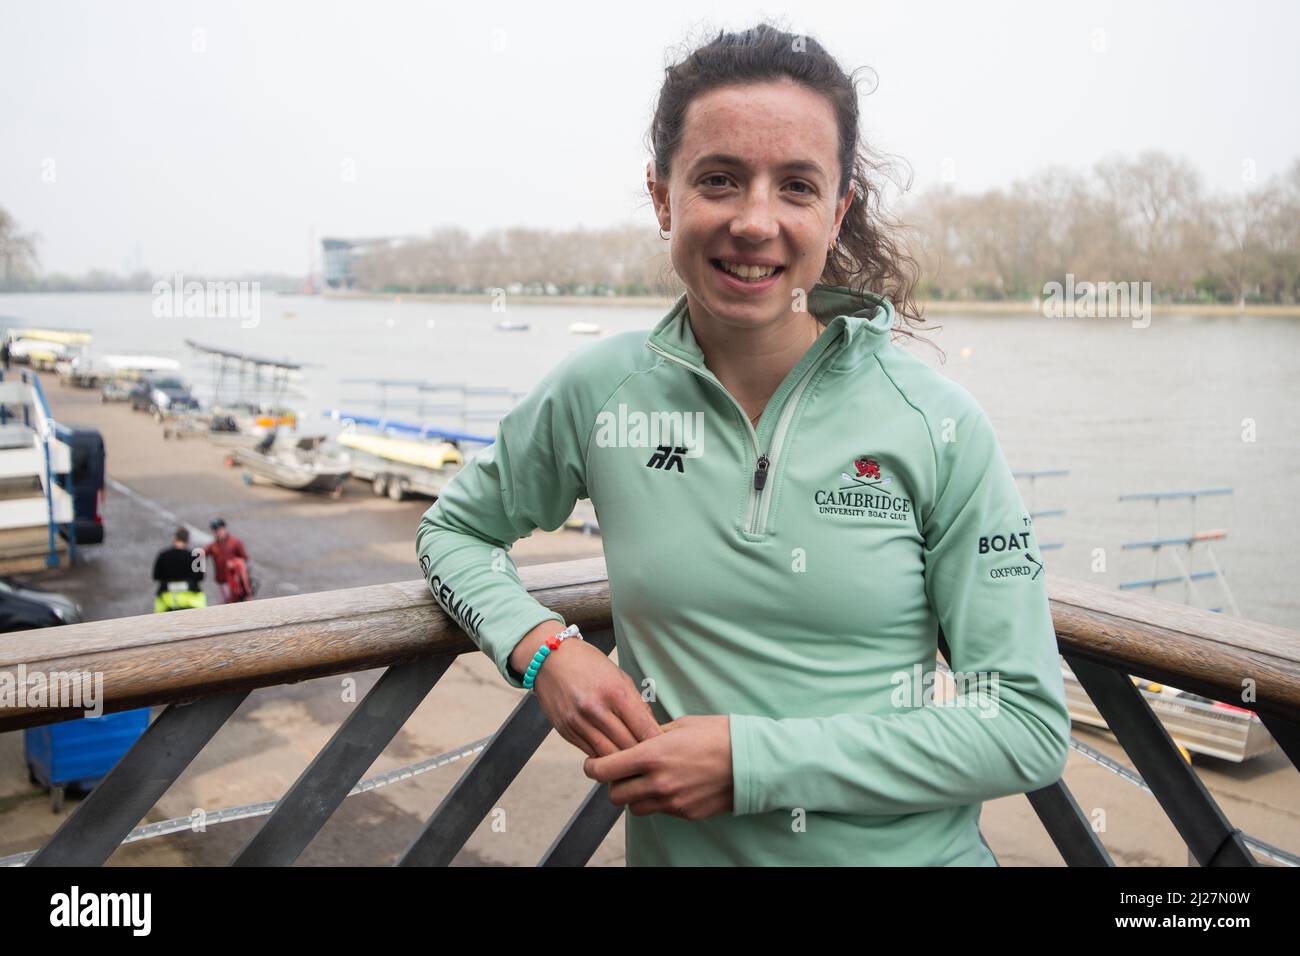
[683, 772]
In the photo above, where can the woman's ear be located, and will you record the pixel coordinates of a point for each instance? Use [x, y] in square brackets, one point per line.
[841, 207]
[658, 195]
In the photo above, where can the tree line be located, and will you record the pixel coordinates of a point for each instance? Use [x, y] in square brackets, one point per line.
[1145, 219]
[1148, 219]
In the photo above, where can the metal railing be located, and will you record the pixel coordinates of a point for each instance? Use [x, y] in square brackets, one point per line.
[444, 401]
[202, 663]
[1158, 545]
[1036, 514]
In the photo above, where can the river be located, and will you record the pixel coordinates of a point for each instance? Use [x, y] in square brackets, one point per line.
[1185, 403]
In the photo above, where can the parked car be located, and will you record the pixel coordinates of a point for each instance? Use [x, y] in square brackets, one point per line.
[161, 395]
[139, 395]
[18, 613]
[26, 607]
[116, 390]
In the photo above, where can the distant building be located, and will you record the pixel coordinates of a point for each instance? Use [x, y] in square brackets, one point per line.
[339, 258]
[336, 267]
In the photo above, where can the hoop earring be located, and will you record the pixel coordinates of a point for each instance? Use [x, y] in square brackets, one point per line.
[661, 233]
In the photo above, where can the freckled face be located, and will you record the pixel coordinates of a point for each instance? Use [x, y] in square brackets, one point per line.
[753, 181]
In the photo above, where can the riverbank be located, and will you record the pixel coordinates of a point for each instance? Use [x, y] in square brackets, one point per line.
[297, 544]
[935, 306]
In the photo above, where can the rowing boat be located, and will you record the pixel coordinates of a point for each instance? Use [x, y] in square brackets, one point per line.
[303, 466]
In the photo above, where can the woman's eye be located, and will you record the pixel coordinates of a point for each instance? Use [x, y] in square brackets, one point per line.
[721, 179]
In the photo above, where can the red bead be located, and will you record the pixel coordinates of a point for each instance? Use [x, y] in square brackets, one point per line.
[553, 643]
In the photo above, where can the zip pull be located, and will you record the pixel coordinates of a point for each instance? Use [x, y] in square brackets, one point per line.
[760, 474]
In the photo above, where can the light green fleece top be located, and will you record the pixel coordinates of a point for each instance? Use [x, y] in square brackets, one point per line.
[793, 577]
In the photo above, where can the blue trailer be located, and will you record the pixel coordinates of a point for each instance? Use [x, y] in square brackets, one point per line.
[78, 753]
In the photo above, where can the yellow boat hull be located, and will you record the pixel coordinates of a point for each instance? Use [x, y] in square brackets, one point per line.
[408, 451]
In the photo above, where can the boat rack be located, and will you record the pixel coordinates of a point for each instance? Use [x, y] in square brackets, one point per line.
[250, 376]
[1034, 512]
[1171, 546]
[1196, 724]
[454, 401]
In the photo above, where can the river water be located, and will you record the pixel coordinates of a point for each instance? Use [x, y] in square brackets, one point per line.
[1185, 403]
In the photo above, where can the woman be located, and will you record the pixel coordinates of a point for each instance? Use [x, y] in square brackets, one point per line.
[781, 562]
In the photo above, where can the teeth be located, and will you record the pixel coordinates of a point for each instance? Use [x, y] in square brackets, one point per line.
[748, 272]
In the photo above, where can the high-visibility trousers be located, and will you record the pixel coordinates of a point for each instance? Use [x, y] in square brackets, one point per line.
[179, 600]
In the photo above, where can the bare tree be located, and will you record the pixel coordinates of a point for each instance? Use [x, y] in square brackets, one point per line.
[18, 260]
[1141, 219]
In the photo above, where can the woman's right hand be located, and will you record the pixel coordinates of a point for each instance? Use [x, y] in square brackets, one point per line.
[589, 700]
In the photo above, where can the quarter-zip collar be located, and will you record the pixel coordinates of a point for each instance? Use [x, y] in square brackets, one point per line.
[866, 319]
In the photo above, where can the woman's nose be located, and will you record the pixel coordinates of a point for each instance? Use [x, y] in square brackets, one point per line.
[755, 220]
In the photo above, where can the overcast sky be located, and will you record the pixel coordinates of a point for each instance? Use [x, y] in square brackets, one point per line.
[215, 137]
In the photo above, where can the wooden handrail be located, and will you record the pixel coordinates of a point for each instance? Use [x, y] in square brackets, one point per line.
[1186, 647]
[185, 655]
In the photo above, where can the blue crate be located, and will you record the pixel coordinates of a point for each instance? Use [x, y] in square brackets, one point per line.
[77, 753]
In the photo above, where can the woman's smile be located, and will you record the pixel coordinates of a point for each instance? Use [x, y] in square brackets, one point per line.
[746, 276]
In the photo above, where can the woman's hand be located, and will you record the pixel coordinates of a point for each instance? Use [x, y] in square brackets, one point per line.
[683, 772]
[589, 700]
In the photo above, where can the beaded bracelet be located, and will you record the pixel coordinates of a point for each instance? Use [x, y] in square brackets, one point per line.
[544, 652]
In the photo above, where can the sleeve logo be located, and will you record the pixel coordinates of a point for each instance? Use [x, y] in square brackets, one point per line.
[1009, 543]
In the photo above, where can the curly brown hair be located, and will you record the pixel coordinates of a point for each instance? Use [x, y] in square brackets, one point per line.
[868, 255]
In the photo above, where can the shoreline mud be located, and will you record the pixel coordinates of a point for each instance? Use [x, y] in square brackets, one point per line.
[937, 306]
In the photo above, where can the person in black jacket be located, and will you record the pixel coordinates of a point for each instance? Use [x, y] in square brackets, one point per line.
[180, 578]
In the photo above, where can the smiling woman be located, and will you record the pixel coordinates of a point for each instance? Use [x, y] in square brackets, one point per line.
[776, 586]
[761, 179]
[786, 118]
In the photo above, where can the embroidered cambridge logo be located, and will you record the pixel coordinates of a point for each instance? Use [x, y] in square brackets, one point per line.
[866, 494]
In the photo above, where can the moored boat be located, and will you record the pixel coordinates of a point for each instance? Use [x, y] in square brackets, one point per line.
[303, 466]
[422, 463]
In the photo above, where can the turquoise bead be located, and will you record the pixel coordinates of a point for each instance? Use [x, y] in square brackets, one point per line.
[530, 675]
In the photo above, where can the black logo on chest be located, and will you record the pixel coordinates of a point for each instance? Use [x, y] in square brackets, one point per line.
[668, 457]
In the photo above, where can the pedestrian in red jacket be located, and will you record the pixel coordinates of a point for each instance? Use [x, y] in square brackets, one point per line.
[221, 550]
